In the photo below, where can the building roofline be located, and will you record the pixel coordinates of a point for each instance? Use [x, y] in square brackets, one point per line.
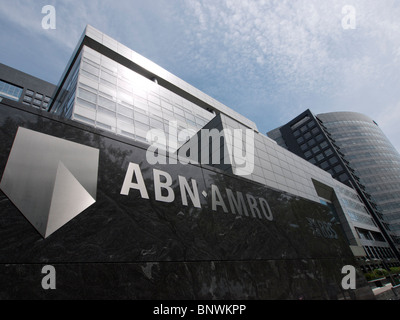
[111, 48]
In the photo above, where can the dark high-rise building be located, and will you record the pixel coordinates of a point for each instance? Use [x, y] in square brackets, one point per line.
[374, 160]
[353, 149]
[24, 88]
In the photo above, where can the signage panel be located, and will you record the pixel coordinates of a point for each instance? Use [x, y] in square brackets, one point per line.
[160, 231]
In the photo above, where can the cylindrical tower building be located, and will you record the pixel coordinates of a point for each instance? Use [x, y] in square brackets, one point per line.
[374, 160]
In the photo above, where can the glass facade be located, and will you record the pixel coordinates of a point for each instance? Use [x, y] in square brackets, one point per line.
[108, 95]
[10, 91]
[24, 88]
[374, 160]
[354, 207]
[36, 100]
[319, 142]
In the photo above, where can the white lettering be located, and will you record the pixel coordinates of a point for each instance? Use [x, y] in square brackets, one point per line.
[185, 188]
[157, 151]
[173, 141]
[237, 204]
[49, 21]
[243, 164]
[253, 206]
[49, 281]
[266, 209]
[216, 199]
[158, 186]
[134, 170]
[164, 192]
[162, 310]
[349, 20]
[220, 309]
[236, 151]
[349, 281]
[189, 152]
[215, 146]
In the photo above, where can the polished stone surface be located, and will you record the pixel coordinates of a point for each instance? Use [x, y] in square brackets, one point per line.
[127, 247]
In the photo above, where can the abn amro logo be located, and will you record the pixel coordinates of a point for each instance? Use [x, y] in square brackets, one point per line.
[50, 180]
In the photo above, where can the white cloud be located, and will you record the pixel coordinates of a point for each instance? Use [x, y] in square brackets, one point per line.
[280, 55]
[295, 54]
[285, 37]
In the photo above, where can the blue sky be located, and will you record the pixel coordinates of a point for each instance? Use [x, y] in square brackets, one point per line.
[269, 60]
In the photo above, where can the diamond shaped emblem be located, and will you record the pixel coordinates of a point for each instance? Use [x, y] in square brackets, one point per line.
[50, 180]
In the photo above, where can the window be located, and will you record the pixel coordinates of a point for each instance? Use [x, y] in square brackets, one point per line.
[125, 111]
[308, 154]
[10, 91]
[141, 117]
[157, 124]
[324, 145]
[338, 168]
[304, 147]
[91, 69]
[83, 119]
[87, 95]
[106, 103]
[108, 78]
[364, 234]
[333, 160]
[37, 102]
[300, 140]
[377, 236]
[315, 131]
[300, 122]
[311, 142]
[311, 124]
[85, 103]
[315, 149]
[324, 165]
[343, 177]
[179, 111]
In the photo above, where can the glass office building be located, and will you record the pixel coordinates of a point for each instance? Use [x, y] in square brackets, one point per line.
[340, 143]
[373, 158]
[111, 87]
[21, 87]
[108, 95]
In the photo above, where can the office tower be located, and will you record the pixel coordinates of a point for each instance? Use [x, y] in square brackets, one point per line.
[374, 160]
[19, 86]
[322, 141]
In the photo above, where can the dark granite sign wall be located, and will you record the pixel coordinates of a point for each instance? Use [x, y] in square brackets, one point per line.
[228, 239]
